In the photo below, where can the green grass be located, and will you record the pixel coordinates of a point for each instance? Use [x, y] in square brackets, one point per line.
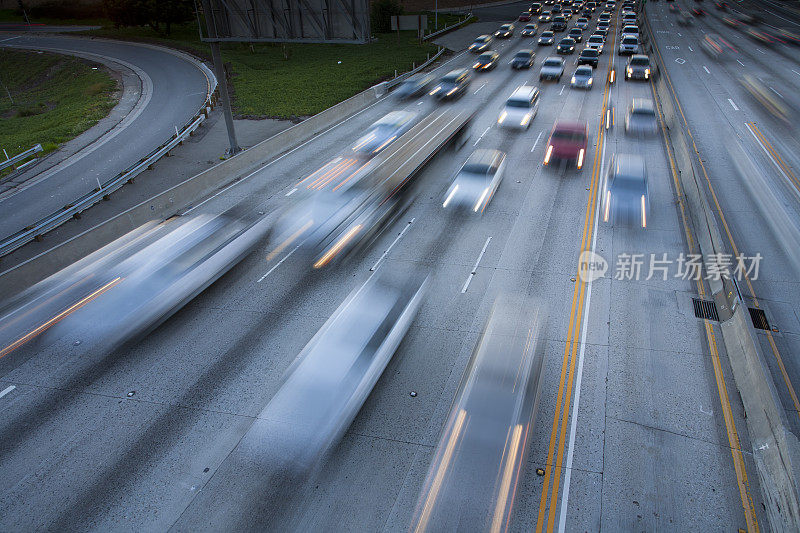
[14, 15]
[266, 84]
[55, 99]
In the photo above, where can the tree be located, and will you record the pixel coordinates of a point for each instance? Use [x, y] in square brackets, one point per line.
[381, 14]
[160, 15]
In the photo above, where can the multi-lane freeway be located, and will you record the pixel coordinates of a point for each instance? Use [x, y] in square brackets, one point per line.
[639, 423]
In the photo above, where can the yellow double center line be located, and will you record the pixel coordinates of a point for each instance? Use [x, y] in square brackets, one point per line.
[564, 397]
[727, 412]
[774, 153]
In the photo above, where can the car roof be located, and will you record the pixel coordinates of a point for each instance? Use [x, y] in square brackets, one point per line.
[526, 51]
[643, 104]
[570, 126]
[484, 157]
[639, 56]
[567, 40]
[629, 166]
[553, 58]
[524, 91]
[583, 69]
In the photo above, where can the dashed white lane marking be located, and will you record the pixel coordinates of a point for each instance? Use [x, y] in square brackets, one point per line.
[706, 69]
[475, 268]
[7, 390]
[690, 49]
[291, 192]
[733, 105]
[776, 92]
[277, 264]
[536, 141]
[378, 262]
[760, 50]
[481, 137]
[479, 88]
[679, 35]
[561, 91]
[798, 73]
[10, 39]
[742, 64]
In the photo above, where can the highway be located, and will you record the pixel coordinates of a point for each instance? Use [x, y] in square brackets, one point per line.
[639, 425]
[171, 92]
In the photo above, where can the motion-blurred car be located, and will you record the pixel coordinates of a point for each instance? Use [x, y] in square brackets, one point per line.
[626, 198]
[559, 24]
[535, 8]
[582, 23]
[639, 68]
[481, 44]
[720, 5]
[582, 78]
[529, 30]
[566, 46]
[556, 9]
[520, 108]
[486, 61]
[595, 42]
[788, 36]
[760, 35]
[715, 46]
[452, 84]
[576, 34]
[547, 38]
[414, 86]
[629, 45]
[552, 69]
[383, 132]
[476, 181]
[545, 17]
[732, 21]
[505, 31]
[525, 16]
[641, 118]
[567, 142]
[768, 99]
[589, 56]
[523, 59]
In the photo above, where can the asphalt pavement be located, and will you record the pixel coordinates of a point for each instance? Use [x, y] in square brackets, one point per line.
[640, 426]
[172, 90]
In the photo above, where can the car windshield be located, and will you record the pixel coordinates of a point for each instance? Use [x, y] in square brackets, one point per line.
[518, 103]
[589, 53]
[596, 39]
[547, 34]
[568, 136]
[481, 40]
[505, 27]
[583, 71]
[629, 40]
[476, 168]
[487, 56]
[567, 41]
[643, 113]
[552, 63]
[451, 78]
[523, 55]
[640, 61]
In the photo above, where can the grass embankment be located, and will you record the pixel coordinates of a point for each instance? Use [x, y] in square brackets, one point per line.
[55, 99]
[288, 80]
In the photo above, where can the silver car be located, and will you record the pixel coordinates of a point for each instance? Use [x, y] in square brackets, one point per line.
[520, 108]
[383, 132]
[626, 198]
[582, 78]
[414, 86]
[629, 45]
[639, 68]
[552, 69]
[641, 118]
[476, 182]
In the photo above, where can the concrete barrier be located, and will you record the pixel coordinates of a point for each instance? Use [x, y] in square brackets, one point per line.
[776, 450]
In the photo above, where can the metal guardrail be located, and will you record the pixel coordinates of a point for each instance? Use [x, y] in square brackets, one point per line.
[19, 157]
[448, 28]
[52, 221]
[402, 77]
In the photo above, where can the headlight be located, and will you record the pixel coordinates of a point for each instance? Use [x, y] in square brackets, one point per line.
[483, 196]
[436, 90]
[646, 73]
[503, 116]
[590, 80]
[476, 65]
[450, 196]
[573, 79]
[580, 158]
[451, 91]
[525, 119]
[548, 154]
[630, 71]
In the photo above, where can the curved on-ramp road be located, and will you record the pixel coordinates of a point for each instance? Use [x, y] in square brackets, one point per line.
[173, 88]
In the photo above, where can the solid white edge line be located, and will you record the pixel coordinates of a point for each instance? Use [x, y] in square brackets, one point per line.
[475, 268]
[291, 192]
[769, 155]
[562, 520]
[7, 390]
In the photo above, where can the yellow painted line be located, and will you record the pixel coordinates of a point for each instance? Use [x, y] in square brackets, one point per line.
[558, 433]
[781, 163]
[730, 424]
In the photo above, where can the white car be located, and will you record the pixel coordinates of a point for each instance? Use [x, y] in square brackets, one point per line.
[552, 69]
[476, 182]
[629, 45]
[582, 78]
[520, 108]
[596, 42]
[629, 30]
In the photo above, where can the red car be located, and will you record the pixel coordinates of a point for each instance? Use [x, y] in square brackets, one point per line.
[525, 17]
[567, 142]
